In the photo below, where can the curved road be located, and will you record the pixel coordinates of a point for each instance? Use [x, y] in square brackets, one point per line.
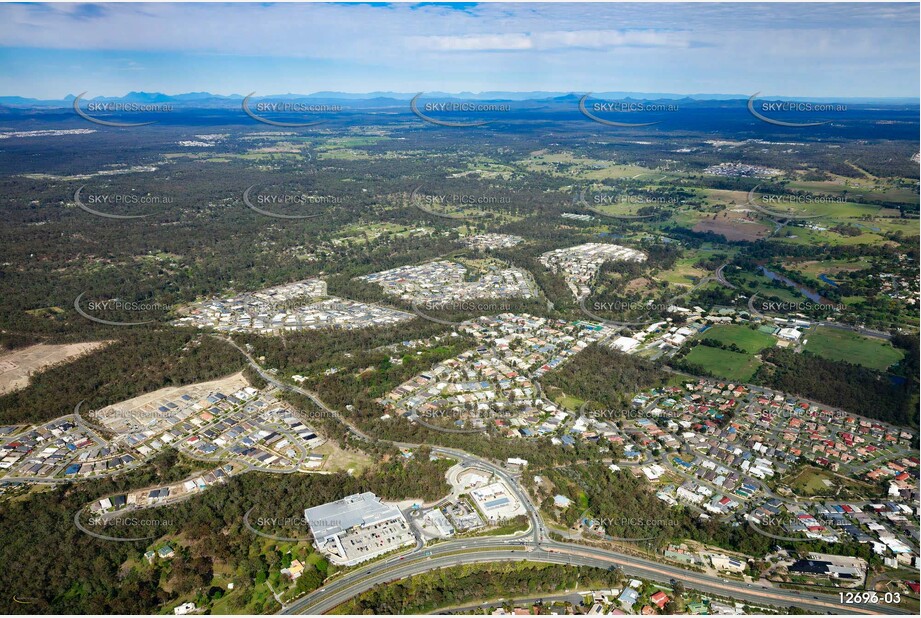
[468, 552]
[534, 544]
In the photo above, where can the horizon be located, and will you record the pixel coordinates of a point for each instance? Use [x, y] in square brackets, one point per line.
[854, 50]
[480, 95]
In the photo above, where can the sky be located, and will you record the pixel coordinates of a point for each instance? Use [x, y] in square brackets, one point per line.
[817, 49]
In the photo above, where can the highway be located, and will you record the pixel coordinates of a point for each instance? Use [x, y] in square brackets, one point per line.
[489, 551]
[536, 545]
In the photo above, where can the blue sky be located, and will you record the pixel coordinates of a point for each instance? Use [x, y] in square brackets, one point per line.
[867, 50]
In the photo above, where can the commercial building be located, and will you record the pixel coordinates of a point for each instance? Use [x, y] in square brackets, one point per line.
[358, 528]
[496, 501]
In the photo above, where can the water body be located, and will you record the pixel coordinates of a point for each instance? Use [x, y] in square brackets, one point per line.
[807, 292]
[825, 278]
[867, 227]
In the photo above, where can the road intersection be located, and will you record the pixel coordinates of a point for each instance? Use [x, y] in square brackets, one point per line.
[535, 545]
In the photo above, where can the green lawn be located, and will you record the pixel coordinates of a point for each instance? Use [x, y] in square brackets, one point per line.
[752, 341]
[813, 481]
[765, 287]
[844, 345]
[804, 236]
[730, 365]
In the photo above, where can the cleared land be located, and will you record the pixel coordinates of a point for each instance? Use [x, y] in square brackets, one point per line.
[817, 482]
[17, 366]
[815, 268]
[843, 345]
[734, 225]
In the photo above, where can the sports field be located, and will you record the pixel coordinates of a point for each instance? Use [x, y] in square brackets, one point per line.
[844, 345]
[723, 363]
[752, 341]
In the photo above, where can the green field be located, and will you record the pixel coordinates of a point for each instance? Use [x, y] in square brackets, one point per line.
[815, 268]
[893, 190]
[752, 341]
[813, 481]
[723, 363]
[804, 236]
[567, 401]
[765, 287]
[843, 345]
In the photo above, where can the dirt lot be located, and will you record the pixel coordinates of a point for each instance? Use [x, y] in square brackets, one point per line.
[734, 226]
[18, 365]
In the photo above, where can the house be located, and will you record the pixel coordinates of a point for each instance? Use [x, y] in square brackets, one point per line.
[725, 563]
[628, 597]
[561, 501]
[660, 599]
[185, 608]
[166, 552]
[295, 570]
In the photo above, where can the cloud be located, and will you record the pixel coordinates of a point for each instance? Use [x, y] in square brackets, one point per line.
[551, 40]
[794, 48]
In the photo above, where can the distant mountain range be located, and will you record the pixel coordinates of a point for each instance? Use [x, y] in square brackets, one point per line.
[389, 99]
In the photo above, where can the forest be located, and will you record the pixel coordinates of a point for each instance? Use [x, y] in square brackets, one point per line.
[209, 527]
[840, 384]
[460, 584]
[605, 376]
